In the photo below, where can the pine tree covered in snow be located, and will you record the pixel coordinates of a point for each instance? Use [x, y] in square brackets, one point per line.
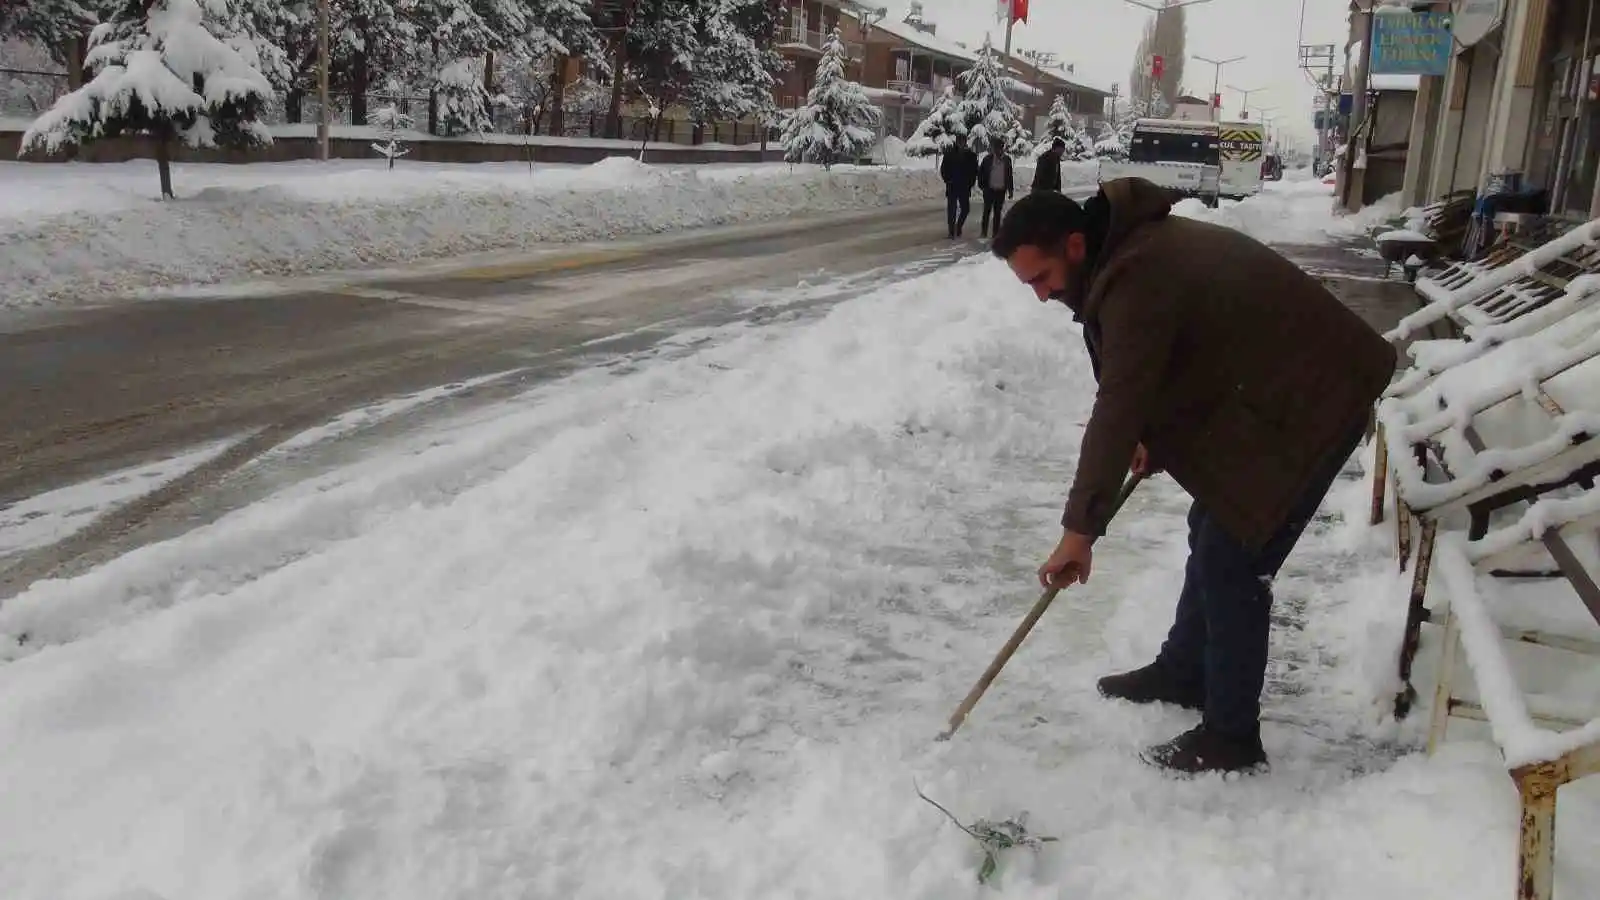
[838, 123]
[463, 100]
[159, 70]
[733, 72]
[50, 24]
[1116, 133]
[1060, 124]
[938, 132]
[986, 110]
[253, 27]
[663, 48]
[471, 28]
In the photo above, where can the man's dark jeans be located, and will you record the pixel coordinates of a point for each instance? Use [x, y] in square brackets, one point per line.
[1219, 636]
[994, 204]
[957, 206]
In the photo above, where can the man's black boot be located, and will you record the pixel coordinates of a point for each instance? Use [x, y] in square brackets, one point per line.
[1154, 684]
[1201, 751]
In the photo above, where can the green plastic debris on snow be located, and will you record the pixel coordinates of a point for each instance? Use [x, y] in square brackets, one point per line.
[993, 837]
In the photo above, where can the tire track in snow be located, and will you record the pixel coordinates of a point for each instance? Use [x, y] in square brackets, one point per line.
[250, 552]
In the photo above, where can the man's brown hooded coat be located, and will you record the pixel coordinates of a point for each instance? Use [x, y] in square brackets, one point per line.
[1239, 372]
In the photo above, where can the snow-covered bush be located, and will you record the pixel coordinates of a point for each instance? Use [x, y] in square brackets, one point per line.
[463, 100]
[1116, 133]
[1060, 124]
[390, 121]
[938, 132]
[838, 122]
[159, 70]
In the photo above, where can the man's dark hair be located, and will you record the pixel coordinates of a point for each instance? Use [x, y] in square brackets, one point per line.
[1038, 220]
[1058, 142]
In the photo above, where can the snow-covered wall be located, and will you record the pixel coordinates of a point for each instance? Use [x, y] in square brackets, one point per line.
[294, 142]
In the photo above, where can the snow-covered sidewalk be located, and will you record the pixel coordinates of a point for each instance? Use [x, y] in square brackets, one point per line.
[1293, 211]
[689, 631]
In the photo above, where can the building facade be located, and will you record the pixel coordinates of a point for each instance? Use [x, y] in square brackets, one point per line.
[906, 64]
[1513, 112]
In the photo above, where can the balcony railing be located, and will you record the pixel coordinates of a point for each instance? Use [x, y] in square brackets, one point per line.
[795, 36]
[923, 93]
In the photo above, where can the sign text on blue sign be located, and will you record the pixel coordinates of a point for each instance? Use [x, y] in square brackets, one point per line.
[1411, 44]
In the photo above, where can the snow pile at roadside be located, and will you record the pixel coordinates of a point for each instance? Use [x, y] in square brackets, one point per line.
[1076, 172]
[688, 631]
[1291, 212]
[78, 232]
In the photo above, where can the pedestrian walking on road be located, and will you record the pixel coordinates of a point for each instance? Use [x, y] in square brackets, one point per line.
[959, 169]
[997, 178]
[1223, 364]
[1047, 176]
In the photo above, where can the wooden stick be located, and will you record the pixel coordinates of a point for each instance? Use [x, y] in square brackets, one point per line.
[1022, 632]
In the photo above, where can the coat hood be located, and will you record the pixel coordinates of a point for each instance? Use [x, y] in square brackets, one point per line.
[1134, 203]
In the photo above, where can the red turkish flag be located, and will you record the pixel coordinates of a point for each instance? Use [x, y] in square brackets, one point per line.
[1019, 10]
[1216, 101]
[1157, 65]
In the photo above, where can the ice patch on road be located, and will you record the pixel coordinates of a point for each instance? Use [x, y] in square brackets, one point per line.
[44, 519]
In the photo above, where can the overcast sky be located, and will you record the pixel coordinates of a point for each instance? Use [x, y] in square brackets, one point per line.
[1100, 37]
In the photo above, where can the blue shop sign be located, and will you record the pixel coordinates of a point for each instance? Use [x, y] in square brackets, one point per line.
[1411, 43]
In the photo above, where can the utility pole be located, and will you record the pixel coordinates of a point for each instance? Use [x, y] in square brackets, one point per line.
[1216, 83]
[322, 79]
[1040, 60]
[1316, 60]
[1358, 98]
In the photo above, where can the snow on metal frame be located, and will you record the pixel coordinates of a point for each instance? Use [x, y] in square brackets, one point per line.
[1521, 741]
[1409, 420]
[1569, 316]
[1443, 301]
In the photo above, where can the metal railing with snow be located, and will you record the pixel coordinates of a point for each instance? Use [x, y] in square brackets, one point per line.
[1490, 443]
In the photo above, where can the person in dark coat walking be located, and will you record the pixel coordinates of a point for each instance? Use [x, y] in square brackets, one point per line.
[1047, 177]
[959, 169]
[997, 181]
[1225, 365]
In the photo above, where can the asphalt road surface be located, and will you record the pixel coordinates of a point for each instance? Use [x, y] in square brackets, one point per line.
[95, 391]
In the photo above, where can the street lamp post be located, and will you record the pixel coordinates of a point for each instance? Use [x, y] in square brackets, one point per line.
[1216, 83]
[1262, 111]
[1245, 103]
[1266, 123]
[1158, 10]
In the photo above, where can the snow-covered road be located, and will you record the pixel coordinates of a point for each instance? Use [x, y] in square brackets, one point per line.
[687, 629]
